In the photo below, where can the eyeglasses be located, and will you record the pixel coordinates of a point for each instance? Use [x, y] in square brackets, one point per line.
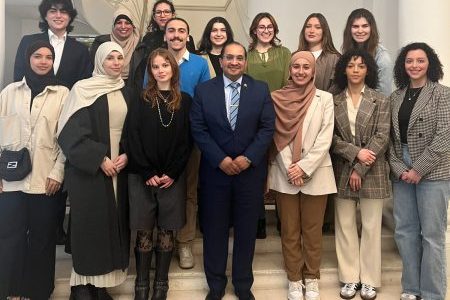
[163, 12]
[263, 28]
[230, 57]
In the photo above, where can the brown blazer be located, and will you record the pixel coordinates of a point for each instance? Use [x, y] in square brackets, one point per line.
[428, 133]
[324, 76]
[371, 132]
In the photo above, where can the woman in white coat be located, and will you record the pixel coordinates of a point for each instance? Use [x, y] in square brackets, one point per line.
[301, 172]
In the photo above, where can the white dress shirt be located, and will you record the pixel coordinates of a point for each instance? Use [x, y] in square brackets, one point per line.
[228, 91]
[58, 45]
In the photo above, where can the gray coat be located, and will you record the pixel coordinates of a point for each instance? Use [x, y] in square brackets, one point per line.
[371, 132]
[428, 133]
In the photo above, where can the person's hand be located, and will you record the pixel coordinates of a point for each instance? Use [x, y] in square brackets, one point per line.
[154, 181]
[229, 167]
[295, 172]
[120, 162]
[108, 167]
[366, 157]
[51, 186]
[355, 181]
[166, 181]
[297, 182]
[241, 162]
[411, 177]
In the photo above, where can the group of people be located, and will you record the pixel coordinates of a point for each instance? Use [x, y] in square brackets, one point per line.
[139, 128]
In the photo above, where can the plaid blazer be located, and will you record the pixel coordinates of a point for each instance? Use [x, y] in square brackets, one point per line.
[371, 132]
[428, 133]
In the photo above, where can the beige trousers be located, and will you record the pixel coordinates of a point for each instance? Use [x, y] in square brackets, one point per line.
[359, 260]
[301, 219]
[187, 233]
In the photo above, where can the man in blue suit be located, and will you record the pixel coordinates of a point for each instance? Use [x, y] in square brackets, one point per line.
[232, 121]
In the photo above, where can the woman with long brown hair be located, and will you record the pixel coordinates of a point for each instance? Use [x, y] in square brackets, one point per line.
[160, 145]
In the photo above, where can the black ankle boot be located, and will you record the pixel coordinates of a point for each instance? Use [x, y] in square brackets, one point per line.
[161, 283]
[83, 292]
[142, 282]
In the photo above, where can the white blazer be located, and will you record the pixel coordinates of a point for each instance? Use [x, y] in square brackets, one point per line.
[315, 161]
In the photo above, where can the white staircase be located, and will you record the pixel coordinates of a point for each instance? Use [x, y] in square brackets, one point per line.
[270, 278]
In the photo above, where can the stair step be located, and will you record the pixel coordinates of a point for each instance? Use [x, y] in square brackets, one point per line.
[267, 268]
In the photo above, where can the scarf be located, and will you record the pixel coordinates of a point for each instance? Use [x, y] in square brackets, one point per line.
[85, 92]
[291, 104]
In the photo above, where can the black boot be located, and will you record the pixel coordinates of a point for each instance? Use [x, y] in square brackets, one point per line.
[83, 292]
[142, 282]
[161, 283]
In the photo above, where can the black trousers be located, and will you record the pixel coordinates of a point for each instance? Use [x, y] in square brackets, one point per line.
[27, 245]
[233, 201]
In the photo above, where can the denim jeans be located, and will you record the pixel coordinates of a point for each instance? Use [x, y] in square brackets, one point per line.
[420, 214]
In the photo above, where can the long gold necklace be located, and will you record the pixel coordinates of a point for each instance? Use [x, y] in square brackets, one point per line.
[159, 96]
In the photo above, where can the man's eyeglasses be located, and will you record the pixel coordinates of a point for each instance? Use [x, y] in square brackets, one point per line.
[230, 57]
[163, 12]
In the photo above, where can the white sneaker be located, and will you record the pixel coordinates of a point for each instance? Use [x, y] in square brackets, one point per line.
[312, 289]
[406, 296]
[295, 290]
[185, 255]
[348, 291]
[368, 292]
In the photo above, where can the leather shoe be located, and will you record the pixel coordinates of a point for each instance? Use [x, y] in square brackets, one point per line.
[246, 296]
[214, 296]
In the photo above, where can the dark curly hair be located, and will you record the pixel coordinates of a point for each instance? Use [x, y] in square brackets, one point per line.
[66, 5]
[340, 76]
[434, 72]
[205, 45]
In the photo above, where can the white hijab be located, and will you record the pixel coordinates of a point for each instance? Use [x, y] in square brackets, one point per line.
[86, 91]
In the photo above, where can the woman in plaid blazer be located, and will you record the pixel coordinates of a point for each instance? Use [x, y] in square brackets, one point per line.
[360, 141]
[419, 156]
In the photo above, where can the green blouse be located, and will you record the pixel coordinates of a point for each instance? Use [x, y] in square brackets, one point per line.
[274, 71]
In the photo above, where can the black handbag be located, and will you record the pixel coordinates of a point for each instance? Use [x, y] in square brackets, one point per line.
[15, 165]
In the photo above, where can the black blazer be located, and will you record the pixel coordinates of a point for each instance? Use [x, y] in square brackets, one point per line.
[75, 61]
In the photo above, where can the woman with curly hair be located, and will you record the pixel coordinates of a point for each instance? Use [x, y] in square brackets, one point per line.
[361, 32]
[419, 156]
[360, 142]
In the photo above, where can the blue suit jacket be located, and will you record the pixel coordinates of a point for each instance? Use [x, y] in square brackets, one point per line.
[212, 131]
[75, 61]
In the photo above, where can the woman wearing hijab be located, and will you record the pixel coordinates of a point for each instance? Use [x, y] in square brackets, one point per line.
[124, 33]
[29, 113]
[91, 136]
[301, 172]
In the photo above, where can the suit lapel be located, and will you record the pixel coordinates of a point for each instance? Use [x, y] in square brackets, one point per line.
[64, 56]
[396, 102]
[341, 117]
[365, 111]
[219, 98]
[421, 101]
[308, 118]
[244, 103]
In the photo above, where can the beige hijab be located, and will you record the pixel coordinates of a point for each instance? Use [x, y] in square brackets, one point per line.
[291, 105]
[128, 45]
[85, 92]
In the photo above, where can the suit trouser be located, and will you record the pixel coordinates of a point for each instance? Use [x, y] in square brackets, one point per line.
[301, 218]
[187, 233]
[27, 245]
[237, 201]
[359, 261]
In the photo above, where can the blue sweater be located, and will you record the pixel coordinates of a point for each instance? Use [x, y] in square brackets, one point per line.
[192, 72]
